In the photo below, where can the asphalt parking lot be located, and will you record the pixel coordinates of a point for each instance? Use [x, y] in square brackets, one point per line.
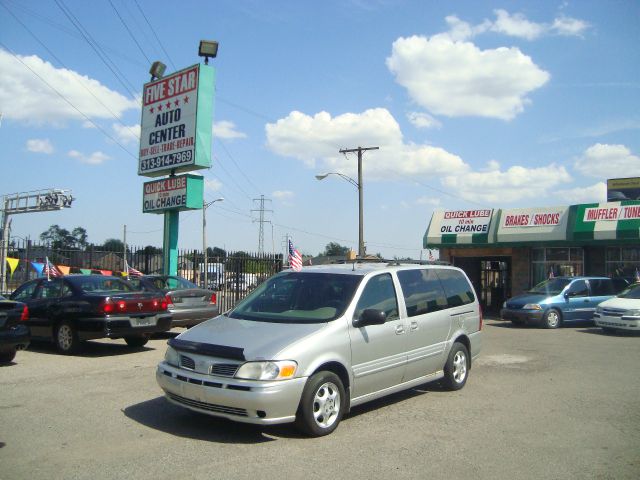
[539, 404]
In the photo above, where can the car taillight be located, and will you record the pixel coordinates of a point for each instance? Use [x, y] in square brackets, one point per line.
[168, 300]
[481, 318]
[161, 304]
[25, 314]
[214, 299]
[108, 307]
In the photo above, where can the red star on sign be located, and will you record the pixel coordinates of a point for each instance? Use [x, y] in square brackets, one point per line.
[185, 99]
[168, 105]
[151, 110]
[176, 103]
[160, 107]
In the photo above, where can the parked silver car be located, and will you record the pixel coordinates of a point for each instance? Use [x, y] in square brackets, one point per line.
[307, 346]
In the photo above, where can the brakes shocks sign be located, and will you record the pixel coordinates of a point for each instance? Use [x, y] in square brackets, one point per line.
[176, 122]
[182, 192]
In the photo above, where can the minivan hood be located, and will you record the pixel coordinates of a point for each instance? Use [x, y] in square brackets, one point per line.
[259, 340]
[520, 301]
[622, 303]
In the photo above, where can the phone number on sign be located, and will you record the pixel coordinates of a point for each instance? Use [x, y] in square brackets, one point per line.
[166, 161]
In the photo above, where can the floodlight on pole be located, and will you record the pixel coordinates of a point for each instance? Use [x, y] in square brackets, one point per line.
[157, 70]
[206, 205]
[208, 48]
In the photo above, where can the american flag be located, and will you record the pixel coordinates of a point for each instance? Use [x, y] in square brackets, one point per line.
[431, 256]
[132, 272]
[637, 275]
[551, 275]
[50, 270]
[295, 259]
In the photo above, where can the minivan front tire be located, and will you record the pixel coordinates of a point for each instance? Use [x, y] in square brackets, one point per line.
[456, 370]
[322, 404]
[552, 318]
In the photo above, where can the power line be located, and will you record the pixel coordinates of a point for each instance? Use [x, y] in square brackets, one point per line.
[155, 35]
[238, 166]
[130, 32]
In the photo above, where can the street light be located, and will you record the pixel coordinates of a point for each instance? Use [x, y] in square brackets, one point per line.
[206, 205]
[358, 185]
[157, 70]
[208, 48]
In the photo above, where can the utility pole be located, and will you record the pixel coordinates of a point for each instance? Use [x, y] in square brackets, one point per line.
[361, 249]
[261, 220]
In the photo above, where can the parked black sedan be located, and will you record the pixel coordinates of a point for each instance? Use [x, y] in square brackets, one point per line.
[14, 332]
[75, 308]
[188, 303]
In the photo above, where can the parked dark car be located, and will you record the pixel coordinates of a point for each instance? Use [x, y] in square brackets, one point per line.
[76, 308]
[188, 304]
[14, 332]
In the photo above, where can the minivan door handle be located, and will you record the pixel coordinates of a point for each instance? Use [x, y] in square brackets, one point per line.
[414, 326]
[399, 329]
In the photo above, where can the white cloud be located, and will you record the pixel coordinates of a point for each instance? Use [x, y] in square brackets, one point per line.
[25, 97]
[497, 187]
[283, 194]
[516, 25]
[456, 78]
[127, 134]
[608, 161]
[227, 130]
[213, 184]
[568, 27]
[423, 120]
[592, 194]
[96, 158]
[315, 140]
[40, 146]
[431, 201]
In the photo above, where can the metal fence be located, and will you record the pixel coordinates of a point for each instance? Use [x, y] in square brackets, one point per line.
[232, 274]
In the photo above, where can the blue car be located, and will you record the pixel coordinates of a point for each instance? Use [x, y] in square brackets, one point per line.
[558, 300]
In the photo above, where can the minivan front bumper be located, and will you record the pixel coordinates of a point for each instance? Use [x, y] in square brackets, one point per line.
[261, 403]
[521, 315]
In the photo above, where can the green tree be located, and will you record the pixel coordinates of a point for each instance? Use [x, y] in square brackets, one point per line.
[113, 245]
[61, 239]
[335, 249]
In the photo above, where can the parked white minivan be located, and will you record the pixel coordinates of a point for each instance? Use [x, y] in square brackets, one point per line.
[307, 346]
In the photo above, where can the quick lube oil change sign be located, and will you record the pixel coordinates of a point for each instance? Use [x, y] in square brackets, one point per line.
[182, 192]
[176, 122]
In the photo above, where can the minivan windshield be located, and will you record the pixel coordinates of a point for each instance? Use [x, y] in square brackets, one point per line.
[296, 297]
[632, 292]
[553, 286]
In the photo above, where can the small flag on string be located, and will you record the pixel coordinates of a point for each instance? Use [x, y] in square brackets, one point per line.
[50, 270]
[431, 256]
[551, 275]
[295, 259]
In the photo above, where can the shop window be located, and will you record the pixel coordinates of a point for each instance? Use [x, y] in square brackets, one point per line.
[537, 255]
[556, 254]
[556, 262]
[623, 262]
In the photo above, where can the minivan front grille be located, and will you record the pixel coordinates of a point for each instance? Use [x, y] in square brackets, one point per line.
[187, 362]
[223, 369]
[241, 412]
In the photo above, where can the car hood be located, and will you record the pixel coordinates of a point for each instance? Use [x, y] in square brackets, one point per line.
[258, 340]
[520, 301]
[621, 303]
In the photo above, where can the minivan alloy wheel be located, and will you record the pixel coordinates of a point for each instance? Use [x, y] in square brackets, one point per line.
[551, 319]
[326, 405]
[459, 366]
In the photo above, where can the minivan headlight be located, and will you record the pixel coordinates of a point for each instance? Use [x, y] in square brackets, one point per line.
[275, 370]
[599, 309]
[532, 306]
[632, 313]
[172, 357]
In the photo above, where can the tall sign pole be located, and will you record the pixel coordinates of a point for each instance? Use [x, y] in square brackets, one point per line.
[176, 131]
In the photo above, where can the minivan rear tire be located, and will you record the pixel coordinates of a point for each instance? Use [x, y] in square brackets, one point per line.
[456, 370]
[322, 404]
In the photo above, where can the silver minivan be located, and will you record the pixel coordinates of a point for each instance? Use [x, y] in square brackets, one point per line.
[307, 346]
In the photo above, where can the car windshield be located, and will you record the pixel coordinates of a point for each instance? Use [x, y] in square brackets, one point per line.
[553, 286]
[632, 292]
[295, 297]
[101, 285]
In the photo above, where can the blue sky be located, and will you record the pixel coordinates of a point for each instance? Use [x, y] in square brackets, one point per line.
[472, 103]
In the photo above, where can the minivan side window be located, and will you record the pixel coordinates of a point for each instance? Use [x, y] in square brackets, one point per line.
[422, 290]
[601, 287]
[379, 294]
[456, 287]
[579, 288]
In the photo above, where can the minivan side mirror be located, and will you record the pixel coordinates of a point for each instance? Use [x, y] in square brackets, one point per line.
[370, 317]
